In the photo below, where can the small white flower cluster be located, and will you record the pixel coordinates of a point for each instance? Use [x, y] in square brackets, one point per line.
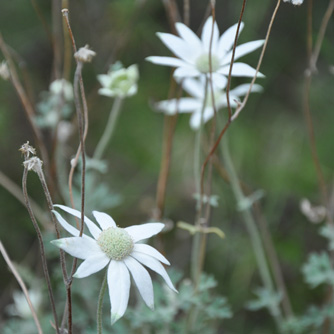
[295, 2]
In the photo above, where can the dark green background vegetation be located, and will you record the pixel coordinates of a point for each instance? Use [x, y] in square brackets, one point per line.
[268, 142]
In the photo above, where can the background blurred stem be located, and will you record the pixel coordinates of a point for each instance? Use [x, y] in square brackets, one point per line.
[109, 130]
[252, 230]
[22, 285]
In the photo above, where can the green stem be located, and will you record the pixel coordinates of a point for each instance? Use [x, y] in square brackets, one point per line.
[100, 304]
[113, 116]
[252, 230]
[195, 253]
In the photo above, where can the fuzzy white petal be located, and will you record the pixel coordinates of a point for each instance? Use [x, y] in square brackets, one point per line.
[243, 89]
[194, 87]
[226, 41]
[240, 70]
[92, 265]
[79, 247]
[189, 36]
[142, 279]
[106, 92]
[104, 220]
[178, 46]
[206, 35]
[144, 231]
[242, 50]
[182, 105]
[154, 265]
[195, 119]
[104, 79]
[69, 228]
[119, 289]
[219, 81]
[93, 229]
[166, 61]
[186, 71]
[148, 250]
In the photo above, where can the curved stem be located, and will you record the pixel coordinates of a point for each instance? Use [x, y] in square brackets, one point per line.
[100, 304]
[109, 130]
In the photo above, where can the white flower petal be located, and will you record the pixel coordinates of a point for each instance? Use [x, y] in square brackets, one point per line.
[194, 87]
[104, 220]
[191, 38]
[104, 80]
[144, 231]
[106, 92]
[93, 229]
[243, 89]
[92, 265]
[79, 247]
[142, 279]
[226, 41]
[69, 228]
[148, 250]
[166, 61]
[240, 70]
[206, 35]
[219, 81]
[186, 71]
[154, 265]
[178, 46]
[182, 105]
[242, 50]
[119, 289]
[195, 119]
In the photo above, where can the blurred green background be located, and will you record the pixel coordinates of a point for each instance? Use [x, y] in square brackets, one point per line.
[269, 141]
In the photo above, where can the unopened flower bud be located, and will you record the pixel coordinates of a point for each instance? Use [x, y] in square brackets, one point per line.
[85, 55]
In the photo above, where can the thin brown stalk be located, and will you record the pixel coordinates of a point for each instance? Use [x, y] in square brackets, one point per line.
[186, 12]
[313, 55]
[22, 285]
[28, 108]
[172, 12]
[41, 246]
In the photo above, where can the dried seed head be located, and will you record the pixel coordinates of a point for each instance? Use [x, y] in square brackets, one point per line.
[85, 55]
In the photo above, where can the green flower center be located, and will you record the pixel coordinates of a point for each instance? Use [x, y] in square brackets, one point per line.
[203, 64]
[116, 243]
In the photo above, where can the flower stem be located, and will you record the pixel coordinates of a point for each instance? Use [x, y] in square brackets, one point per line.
[100, 304]
[252, 230]
[109, 130]
[195, 253]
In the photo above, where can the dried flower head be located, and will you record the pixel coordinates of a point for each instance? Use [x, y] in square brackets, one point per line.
[26, 150]
[85, 55]
[295, 2]
[315, 214]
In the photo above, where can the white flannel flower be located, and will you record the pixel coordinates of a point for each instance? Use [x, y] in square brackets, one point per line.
[119, 81]
[194, 104]
[193, 53]
[118, 250]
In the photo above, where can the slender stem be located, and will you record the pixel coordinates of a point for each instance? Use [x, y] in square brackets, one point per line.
[109, 130]
[252, 230]
[195, 253]
[100, 304]
[22, 285]
[41, 246]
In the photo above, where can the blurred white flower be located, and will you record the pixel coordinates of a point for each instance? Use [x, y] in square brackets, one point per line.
[62, 87]
[194, 104]
[193, 53]
[4, 71]
[295, 2]
[119, 250]
[119, 81]
[21, 307]
[315, 214]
